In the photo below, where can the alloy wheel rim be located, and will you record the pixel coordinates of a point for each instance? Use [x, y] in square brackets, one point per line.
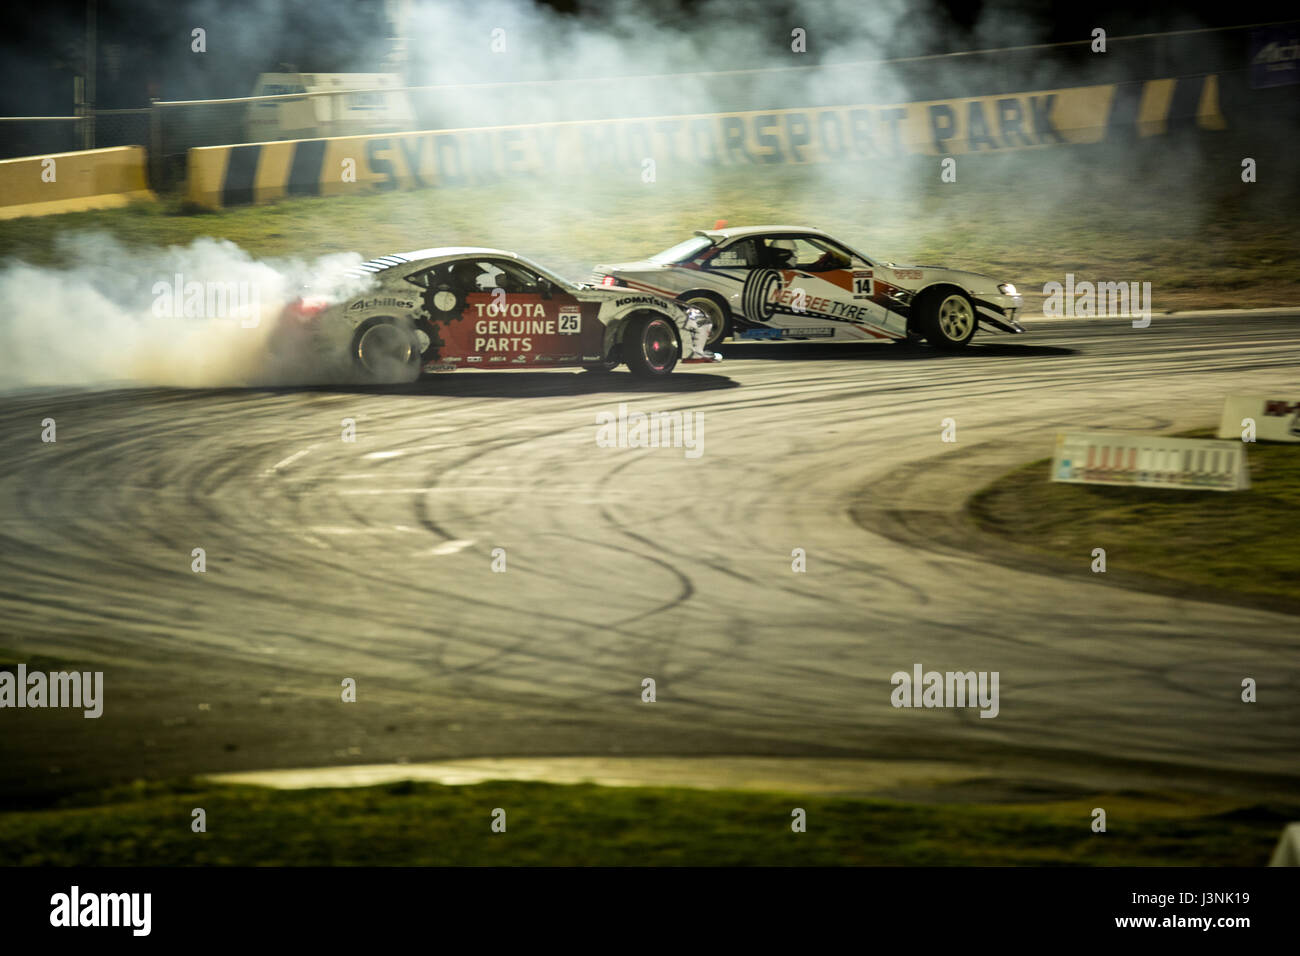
[714, 314]
[955, 318]
[657, 344]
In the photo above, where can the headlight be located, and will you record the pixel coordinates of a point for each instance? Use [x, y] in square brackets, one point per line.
[1007, 288]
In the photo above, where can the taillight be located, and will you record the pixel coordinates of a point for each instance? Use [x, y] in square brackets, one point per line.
[308, 307]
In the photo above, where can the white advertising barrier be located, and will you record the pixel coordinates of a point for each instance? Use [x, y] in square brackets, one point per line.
[1276, 419]
[1150, 461]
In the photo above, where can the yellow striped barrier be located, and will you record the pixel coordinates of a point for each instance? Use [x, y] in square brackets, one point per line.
[72, 182]
[262, 172]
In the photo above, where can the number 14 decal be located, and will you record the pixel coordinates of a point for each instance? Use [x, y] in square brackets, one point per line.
[862, 285]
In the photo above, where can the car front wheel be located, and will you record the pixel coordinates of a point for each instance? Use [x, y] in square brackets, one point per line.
[715, 313]
[947, 319]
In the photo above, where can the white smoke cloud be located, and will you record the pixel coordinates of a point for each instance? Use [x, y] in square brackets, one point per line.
[709, 58]
[114, 314]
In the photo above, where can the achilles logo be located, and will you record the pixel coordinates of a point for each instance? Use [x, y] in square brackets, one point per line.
[57, 689]
[103, 909]
[953, 689]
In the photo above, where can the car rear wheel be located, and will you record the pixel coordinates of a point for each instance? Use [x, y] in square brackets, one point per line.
[650, 346]
[947, 319]
[716, 313]
[386, 350]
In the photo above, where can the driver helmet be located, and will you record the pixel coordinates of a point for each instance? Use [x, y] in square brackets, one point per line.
[464, 276]
[783, 254]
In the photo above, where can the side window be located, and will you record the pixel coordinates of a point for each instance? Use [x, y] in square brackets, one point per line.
[492, 276]
[463, 274]
[816, 256]
[855, 261]
[738, 255]
[423, 278]
[805, 254]
[775, 253]
[512, 277]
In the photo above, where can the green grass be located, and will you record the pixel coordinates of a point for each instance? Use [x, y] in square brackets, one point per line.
[1220, 544]
[1026, 219]
[417, 824]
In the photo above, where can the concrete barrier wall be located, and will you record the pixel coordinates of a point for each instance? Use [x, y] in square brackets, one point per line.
[72, 182]
[262, 172]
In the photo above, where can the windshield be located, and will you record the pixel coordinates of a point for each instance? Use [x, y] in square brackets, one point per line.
[682, 251]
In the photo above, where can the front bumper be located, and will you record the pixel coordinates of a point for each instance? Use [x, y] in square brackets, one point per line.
[999, 311]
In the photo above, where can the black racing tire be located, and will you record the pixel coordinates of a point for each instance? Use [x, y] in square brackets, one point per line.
[946, 317]
[718, 312]
[650, 346]
[756, 294]
[385, 349]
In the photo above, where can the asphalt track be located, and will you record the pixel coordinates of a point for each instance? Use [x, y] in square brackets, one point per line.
[373, 560]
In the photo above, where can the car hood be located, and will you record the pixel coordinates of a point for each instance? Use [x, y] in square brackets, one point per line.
[960, 276]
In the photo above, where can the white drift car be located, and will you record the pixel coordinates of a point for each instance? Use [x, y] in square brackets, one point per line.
[794, 283]
[438, 310]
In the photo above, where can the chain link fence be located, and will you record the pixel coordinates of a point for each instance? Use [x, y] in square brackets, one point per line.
[42, 135]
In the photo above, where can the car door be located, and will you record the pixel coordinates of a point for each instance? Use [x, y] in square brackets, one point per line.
[445, 310]
[517, 317]
[828, 292]
[729, 268]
